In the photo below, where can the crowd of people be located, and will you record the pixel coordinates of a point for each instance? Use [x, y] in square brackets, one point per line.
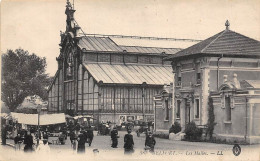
[79, 136]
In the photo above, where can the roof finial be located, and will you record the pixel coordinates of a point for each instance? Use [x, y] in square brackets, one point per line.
[227, 24]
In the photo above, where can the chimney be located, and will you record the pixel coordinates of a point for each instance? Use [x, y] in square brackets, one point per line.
[225, 78]
[235, 81]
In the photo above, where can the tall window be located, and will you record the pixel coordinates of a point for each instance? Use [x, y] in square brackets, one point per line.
[178, 108]
[198, 78]
[178, 76]
[228, 108]
[167, 110]
[198, 73]
[197, 108]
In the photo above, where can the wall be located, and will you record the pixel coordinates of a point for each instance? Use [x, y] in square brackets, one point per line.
[244, 125]
[55, 94]
[161, 122]
[191, 87]
[127, 99]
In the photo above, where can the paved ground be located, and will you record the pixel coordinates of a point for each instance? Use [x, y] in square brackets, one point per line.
[164, 150]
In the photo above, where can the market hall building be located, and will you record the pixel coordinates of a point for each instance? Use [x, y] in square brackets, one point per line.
[99, 76]
[226, 68]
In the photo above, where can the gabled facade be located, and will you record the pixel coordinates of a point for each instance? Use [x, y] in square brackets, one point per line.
[199, 70]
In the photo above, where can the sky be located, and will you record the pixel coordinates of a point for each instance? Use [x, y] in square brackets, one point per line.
[35, 25]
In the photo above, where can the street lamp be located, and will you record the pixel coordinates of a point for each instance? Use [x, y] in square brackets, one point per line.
[38, 102]
[39, 111]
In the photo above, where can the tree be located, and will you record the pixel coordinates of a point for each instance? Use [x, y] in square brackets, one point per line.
[23, 74]
[211, 119]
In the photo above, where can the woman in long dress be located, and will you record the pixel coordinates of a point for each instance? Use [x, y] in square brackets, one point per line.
[81, 143]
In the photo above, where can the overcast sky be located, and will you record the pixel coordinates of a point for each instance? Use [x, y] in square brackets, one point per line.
[35, 25]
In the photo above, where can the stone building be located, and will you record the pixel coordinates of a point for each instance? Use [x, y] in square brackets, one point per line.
[237, 110]
[99, 76]
[199, 70]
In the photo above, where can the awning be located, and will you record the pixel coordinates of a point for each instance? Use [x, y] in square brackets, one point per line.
[83, 116]
[32, 119]
[5, 115]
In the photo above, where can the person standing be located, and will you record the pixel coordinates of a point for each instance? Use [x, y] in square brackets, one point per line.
[81, 143]
[90, 135]
[128, 142]
[150, 142]
[62, 138]
[45, 136]
[3, 134]
[17, 142]
[28, 141]
[43, 148]
[73, 139]
[114, 136]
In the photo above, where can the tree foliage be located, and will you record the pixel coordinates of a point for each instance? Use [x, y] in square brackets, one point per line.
[211, 119]
[23, 74]
[192, 131]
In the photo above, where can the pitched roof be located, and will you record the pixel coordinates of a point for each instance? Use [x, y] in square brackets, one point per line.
[250, 84]
[108, 44]
[130, 74]
[227, 42]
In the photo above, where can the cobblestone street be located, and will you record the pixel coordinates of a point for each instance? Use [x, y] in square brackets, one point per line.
[164, 149]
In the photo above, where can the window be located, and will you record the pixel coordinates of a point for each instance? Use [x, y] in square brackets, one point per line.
[130, 58]
[103, 58]
[144, 59]
[91, 57]
[198, 78]
[179, 81]
[178, 71]
[167, 110]
[228, 108]
[178, 108]
[117, 58]
[198, 73]
[156, 60]
[197, 108]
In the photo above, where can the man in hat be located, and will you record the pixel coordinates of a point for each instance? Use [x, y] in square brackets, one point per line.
[150, 142]
[129, 142]
[114, 136]
[28, 141]
[45, 136]
[17, 141]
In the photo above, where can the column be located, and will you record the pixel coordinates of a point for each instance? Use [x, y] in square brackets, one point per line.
[173, 101]
[205, 96]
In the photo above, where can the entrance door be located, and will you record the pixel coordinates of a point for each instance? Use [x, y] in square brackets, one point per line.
[187, 111]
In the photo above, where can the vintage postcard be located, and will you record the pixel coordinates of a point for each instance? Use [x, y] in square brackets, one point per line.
[130, 80]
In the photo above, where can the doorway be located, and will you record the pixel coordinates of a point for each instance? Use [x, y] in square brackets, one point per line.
[187, 111]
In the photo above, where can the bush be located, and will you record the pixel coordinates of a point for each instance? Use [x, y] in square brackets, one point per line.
[176, 127]
[161, 135]
[192, 131]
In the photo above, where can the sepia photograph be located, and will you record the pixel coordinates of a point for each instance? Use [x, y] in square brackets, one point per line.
[130, 80]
